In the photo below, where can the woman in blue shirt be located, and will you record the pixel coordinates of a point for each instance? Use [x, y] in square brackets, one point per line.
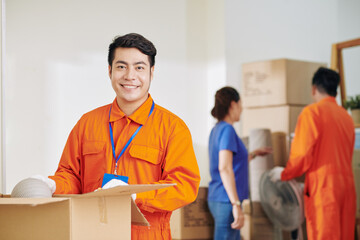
[228, 166]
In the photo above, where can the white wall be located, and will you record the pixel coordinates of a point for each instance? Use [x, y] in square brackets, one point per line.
[262, 30]
[302, 30]
[349, 28]
[2, 162]
[56, 70]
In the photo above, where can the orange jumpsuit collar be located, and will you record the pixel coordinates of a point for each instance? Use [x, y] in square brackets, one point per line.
[138, 116]
[328, 99]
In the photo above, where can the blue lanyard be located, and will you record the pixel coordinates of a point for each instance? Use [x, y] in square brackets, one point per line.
[128, 142]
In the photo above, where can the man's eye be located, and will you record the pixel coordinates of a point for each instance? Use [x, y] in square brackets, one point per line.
[140, 68]
[120, 67]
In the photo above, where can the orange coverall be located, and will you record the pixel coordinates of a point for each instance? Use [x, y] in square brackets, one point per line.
[322, 149]
[161, 152]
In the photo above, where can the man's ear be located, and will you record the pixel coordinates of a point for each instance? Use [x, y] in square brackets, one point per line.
[313, 90]
[109, 71]
[152, 73]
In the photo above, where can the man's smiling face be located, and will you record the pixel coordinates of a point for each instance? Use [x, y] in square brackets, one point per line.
[130, 75]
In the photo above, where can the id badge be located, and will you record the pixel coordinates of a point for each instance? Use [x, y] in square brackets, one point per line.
[107, 177]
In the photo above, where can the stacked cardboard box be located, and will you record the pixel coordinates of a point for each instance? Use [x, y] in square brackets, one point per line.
[356, 170]
[255, 219]
[280, 118]
[193, 221]
[257, 225]
[274, 92]
[277, 82]
[273, 95]
[245, 231]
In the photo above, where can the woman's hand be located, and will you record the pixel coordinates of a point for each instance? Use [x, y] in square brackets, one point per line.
[260, 152]
[238, 217]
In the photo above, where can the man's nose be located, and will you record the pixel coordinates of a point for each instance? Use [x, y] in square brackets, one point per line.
[130, 73]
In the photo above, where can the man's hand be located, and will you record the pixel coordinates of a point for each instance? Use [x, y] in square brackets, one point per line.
[51, 183]
[117, 182]
[275, 173]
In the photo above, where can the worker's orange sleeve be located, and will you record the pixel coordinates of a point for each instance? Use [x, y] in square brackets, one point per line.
[302, 147]
[67, 177]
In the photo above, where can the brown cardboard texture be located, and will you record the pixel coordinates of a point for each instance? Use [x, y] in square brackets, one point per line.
[259, 226]
[277, 82]
[194, 221]
[356, 171]
[256, 223]
[104, 214]
[281, 149]
[277, 119]
[246, 229]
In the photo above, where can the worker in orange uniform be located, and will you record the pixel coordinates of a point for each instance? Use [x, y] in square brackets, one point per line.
[322, 149]
[134, 137]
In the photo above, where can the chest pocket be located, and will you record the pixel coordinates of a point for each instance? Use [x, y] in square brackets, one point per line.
[93, 165]
[148, 154]
[93, 147]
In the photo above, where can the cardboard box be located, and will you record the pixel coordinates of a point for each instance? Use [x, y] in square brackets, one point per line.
[356, 171]
[259, 225]
[193, 221]
[104, 214]
[277, 82]
[245, 231]
[256, 225]
[280, 144]
[277, 119]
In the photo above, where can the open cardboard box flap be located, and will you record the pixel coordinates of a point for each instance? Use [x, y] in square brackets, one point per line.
[137, 217]
[123, 190]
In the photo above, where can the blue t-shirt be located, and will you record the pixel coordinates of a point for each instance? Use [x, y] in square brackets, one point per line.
[224, 137]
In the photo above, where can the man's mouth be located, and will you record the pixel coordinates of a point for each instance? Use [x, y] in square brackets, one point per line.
[129, 86]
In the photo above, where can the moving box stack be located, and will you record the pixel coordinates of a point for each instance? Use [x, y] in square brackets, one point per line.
[193, 221]
[273, 94]
[356, 171]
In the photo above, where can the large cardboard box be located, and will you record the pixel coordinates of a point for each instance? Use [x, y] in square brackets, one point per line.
[281, 148]
[277, 82]
[104, 214]
[277, 118]
[193, 221]
[261, 226]
[356, 171]
[245, 231]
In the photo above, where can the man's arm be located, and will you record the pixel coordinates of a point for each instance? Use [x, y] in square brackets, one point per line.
[301, 153]
[67, 176]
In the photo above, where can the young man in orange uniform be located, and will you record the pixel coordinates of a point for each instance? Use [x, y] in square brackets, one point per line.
[160, 151]
[322, 149]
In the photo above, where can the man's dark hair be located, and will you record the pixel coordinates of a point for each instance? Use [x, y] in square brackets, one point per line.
[223, 99]
[326, 81]
[132, 40]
